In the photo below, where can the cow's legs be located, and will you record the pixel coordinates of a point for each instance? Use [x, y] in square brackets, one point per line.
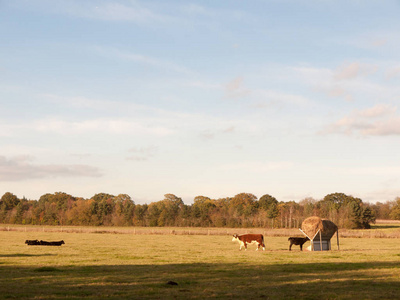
[290, 247]
[301, 247]
[260, 245]
[242, 244]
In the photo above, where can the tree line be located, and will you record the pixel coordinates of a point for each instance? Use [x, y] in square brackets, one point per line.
[242, 210]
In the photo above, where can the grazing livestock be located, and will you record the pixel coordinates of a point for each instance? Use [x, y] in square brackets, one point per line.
[245, 239]
[57, 243]
[32, 242]
[44, 243]
[297, 241]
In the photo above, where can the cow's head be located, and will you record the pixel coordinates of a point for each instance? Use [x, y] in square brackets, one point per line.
[235, 237]
[62, 242]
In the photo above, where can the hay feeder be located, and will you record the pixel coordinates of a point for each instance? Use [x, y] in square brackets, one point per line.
[319, 231]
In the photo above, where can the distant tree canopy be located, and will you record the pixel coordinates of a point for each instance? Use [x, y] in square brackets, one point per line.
[242, 210]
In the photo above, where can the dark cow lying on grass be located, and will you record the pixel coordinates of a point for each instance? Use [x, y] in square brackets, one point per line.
[57, 243]
[44, 243]
[245, 239]
[297, 241]
[32, 242]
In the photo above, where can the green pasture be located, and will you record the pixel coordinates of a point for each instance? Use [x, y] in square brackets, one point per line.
[128, 266]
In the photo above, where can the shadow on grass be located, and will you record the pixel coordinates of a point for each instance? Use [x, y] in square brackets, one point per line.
[386, 226]
[25, 255]
[371, 280]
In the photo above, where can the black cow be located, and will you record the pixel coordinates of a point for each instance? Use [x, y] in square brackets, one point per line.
[297, 241]
[32, 242]
[57, 243]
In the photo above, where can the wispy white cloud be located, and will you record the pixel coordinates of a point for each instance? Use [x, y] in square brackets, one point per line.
[236, 89]
[116, 11]
[379, 110]
[97, 104]
[393, 73]
[262, 98]
[22, 168]
[114, 53]
[348, 71]
[132, 11]
[322, 80]
[111, 126]
[257, 166]
[379, 42]
[379, 120]
[58, 125]
[203, 85]
[79, 102]
[196, 9]
[207, 134]
[384, 41]
[352, 81]
[273, 98]
[353, 70]
[142, 153]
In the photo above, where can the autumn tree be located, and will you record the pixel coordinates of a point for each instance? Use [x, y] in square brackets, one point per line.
[382, 210]
[171, 208]
[221, 216]
[308, 205]
[124, 208]
[139, 215]
[269, 204]
[9, 201]
[395, 212]
[202, 210]
[243, 207]
[367, 217]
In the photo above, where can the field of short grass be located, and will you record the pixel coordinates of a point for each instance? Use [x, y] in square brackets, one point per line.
[118, 266]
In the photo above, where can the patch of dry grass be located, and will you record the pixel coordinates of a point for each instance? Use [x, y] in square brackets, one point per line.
[122, 266]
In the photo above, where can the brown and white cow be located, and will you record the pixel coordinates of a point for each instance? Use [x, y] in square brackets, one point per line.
[245, 239]
[297, 241]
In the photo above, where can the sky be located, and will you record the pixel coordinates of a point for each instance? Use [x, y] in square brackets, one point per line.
[290, 98]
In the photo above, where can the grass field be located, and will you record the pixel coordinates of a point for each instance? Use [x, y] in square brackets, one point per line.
[127, 266]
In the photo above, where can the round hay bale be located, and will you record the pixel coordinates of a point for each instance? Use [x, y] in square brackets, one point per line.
[328, 230]
[311, 225]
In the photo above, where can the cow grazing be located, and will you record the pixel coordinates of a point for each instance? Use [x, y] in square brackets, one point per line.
[297, 241]
[32, 242]
[245, 239]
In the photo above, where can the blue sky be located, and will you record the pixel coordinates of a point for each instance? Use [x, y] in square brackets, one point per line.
[289, 98]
